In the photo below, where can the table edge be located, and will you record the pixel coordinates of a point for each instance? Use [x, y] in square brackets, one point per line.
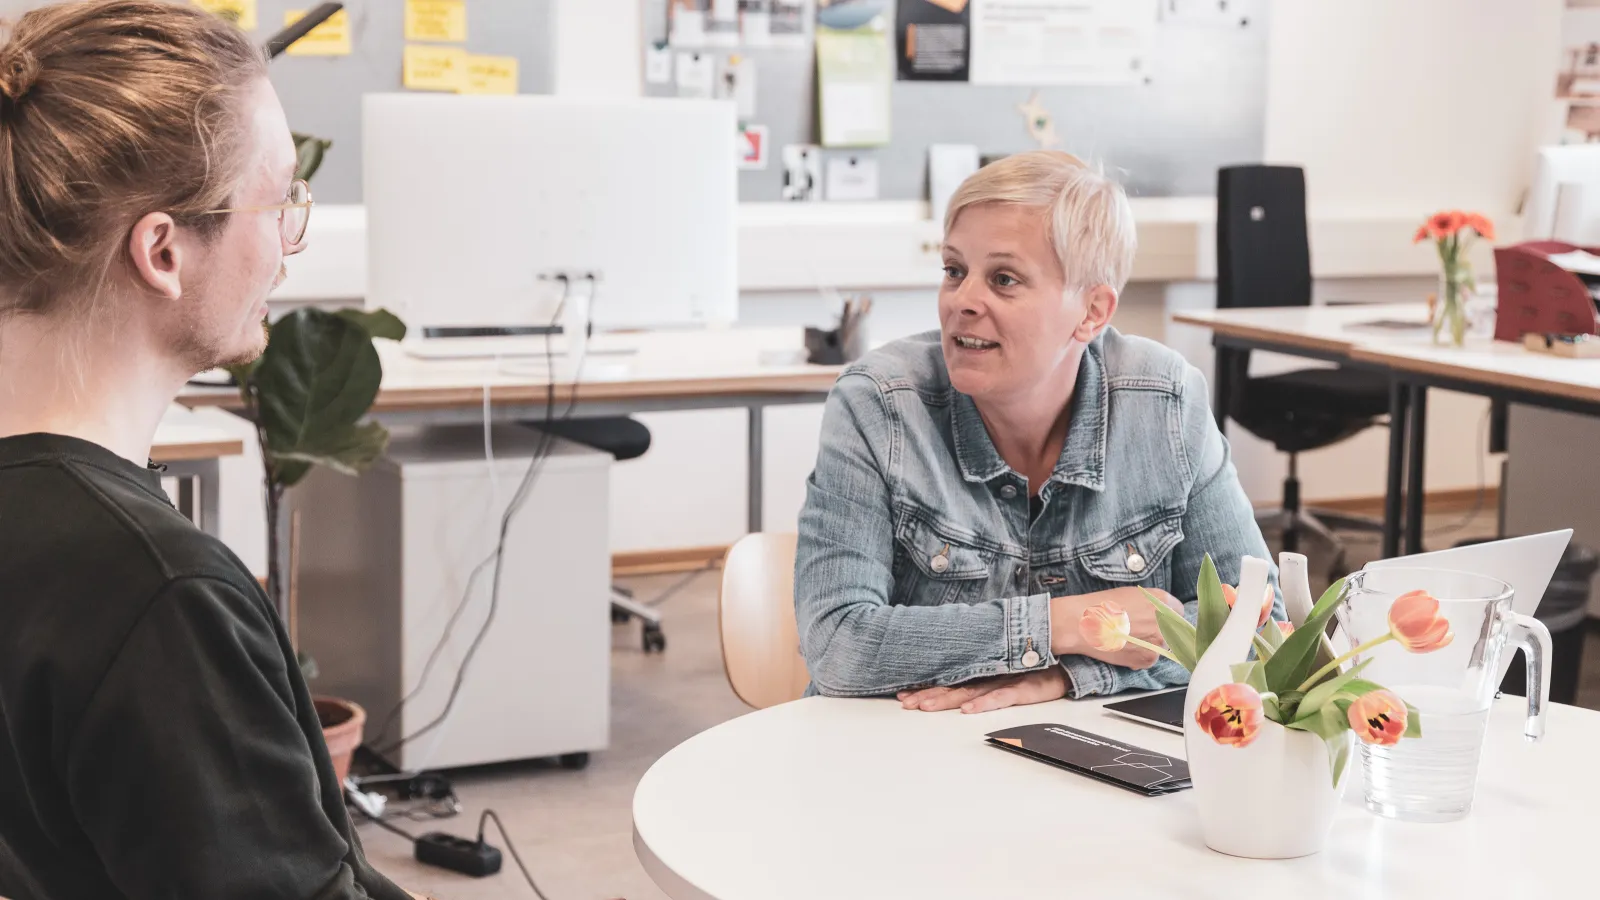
[1270, 335]
[1419, 366]
[671, 883]
[191, 451]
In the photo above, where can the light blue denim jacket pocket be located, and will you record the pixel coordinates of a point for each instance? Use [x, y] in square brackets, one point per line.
[919, 563]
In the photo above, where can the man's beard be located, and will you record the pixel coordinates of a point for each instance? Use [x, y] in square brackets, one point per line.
[204, 356]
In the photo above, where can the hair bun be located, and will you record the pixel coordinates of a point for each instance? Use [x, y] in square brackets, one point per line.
[19, 69]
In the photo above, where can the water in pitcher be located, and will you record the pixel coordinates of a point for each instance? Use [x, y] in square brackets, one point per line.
[1431, 778]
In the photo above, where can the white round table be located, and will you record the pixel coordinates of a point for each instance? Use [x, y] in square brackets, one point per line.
[829, 799]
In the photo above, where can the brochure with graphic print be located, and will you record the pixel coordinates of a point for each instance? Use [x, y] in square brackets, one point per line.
[1135, 768]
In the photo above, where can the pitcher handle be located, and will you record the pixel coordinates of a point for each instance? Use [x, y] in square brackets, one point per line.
[1533, 638]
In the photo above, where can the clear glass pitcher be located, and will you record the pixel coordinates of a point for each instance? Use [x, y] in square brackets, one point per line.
[1431, 778]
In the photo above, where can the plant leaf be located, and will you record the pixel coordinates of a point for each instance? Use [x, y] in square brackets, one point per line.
[1320, 694]
[1175, 630]
[1338, 756]
[1250, 673]
[1327, 723]
[1213, 612]
[1413, 722]
[1294, 660]
[309, 151]
[1289, 702]
[1271, 708]
[380, 323]
[1273, 635]
[316, 380]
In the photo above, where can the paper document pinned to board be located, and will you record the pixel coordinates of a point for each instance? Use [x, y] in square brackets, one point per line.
[855, 75]
[1039, 42]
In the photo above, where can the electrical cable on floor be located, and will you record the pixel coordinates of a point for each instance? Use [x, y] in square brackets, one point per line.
[682, 583]
[491, 814]
[524, 489]
[387, 825]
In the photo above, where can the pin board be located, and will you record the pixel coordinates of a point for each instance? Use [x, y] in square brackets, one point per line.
[1199, 105]
[322, 94]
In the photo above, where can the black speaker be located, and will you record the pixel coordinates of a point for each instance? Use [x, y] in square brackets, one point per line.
[1263, 250]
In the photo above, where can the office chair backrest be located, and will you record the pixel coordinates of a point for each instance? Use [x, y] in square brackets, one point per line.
[1263, 251]
[760, 642]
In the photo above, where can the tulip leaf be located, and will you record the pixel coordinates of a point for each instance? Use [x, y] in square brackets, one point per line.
[1292, 664]
[1270, 707]
[1213, 612]
[1320, 694]
[1175, 630]
[1273, 636]
[1251, 673]
[1413, 722]
[1338, 756]
[1327, 723]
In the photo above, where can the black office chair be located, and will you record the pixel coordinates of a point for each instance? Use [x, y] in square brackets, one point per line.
[1264, 259]
[624, 438]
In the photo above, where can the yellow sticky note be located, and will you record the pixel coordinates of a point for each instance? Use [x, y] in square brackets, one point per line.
[331, 38]
[435, 68]
[490, 75]
[436, 20]
[240, 12]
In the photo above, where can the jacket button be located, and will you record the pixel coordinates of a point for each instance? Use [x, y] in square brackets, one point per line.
[940, 564]
[1030, 659]
[1135, 563]
[1009, 492]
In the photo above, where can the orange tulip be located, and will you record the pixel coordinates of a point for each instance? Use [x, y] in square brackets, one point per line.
[1231, 714]
[1378, 717]
[1105, 626]
[1446, 224]
[1415, 622]
[1481, 224]
[1230, 594]
[1286, 627]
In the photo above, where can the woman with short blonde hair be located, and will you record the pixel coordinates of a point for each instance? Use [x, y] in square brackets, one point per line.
[979, 487]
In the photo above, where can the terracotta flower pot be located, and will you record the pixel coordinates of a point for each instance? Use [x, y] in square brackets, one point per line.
[342, 725]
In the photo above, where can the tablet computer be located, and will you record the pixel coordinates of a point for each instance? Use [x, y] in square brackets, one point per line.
[1163, 710]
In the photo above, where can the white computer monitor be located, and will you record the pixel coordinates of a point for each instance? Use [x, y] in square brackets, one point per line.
[1564, 202]
[473, 203]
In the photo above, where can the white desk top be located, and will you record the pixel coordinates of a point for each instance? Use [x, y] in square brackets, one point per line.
[859, 798]
[184, 435]
[1327, 329]
[620, 365]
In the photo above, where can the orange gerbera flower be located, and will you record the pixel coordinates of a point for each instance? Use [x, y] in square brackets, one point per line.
[1482, 224]
[1446, 224]
[1423, 233]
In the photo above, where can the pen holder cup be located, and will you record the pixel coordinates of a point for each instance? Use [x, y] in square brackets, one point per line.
[823, 347]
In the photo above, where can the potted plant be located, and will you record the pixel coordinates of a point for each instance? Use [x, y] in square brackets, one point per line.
[307, 395]
[1269, 737]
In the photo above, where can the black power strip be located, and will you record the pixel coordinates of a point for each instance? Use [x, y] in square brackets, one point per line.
[475, 858]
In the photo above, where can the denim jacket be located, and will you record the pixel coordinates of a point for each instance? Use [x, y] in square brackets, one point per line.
[918, 564]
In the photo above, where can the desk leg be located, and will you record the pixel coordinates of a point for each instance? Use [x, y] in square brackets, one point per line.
[186, 498]
[1417, 439]
[757, 436]
[1394, 491]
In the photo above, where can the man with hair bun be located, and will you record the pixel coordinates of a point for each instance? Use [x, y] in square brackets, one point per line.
[156, 736]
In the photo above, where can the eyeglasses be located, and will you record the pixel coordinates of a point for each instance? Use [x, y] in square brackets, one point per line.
[292, 216]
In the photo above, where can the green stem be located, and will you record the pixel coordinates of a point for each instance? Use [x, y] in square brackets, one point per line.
[1160, 651]
[1334, 666]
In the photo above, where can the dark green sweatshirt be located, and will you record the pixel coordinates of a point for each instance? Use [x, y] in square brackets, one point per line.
[156, 738]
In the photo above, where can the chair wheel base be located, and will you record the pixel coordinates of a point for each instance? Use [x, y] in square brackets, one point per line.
[654, 640]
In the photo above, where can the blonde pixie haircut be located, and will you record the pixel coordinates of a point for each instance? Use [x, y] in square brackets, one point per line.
[1091, 223]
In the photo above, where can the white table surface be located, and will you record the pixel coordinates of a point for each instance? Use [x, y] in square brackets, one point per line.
[834, 799]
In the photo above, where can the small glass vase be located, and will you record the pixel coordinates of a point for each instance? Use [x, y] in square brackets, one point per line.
[1450, 321]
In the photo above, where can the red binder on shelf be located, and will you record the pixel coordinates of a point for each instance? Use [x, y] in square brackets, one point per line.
[1538, 296]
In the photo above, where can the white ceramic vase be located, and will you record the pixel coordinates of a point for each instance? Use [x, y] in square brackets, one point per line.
[1272, 799]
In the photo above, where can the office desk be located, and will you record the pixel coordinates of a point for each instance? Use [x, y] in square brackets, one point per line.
[623, 374]
[191, 449]
[862, 799]
[1330, 334]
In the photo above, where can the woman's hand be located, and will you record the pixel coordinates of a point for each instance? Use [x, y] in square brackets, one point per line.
[987, 694]
[1065, 612]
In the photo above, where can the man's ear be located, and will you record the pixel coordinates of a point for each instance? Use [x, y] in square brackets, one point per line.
[1099, 305]
[157, 255]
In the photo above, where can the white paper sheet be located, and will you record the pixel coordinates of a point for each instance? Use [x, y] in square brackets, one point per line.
[1038, 42]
